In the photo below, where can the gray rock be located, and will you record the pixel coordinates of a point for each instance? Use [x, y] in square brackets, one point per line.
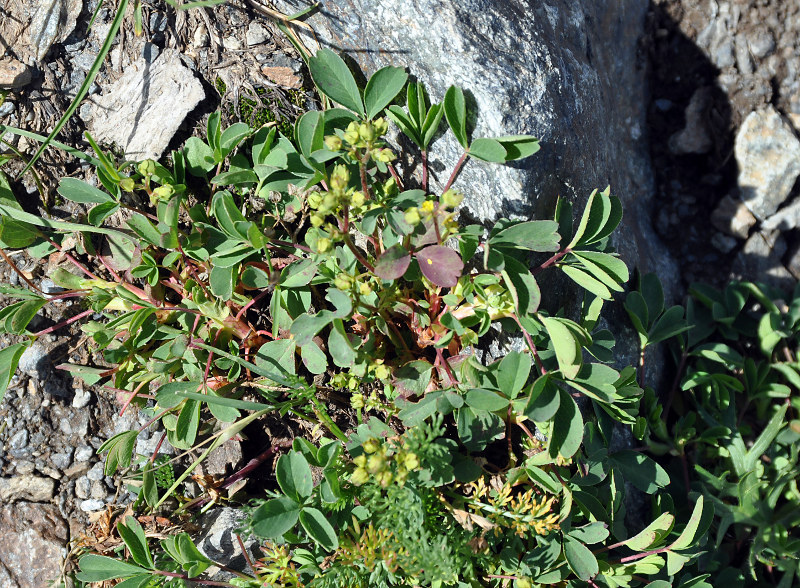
[83, 487]
[150, 53]
[19, 440]
[33, 361]
[32, 544]
[96, 473]
[217, 540]
[762, 43]
[743, 61]
[99, 490]
[62, 460]
[731, 216]
[556, 69]
[27, 487]
[695, 136]
[760, 260]
[231, 43]
[256, 34]
[91, 505]
[13, 74]
[141, 111]
[717, 39]
[83, 453]
[48, 286]
[723, 243]
[785, 219]
[768, 154]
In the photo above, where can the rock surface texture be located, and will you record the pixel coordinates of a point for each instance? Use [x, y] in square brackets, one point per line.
[31, 544]
[566, 72]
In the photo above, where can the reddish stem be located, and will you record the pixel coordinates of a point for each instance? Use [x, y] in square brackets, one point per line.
[19, 272]
[77, 317]
[551, 261]
[425, 170]
[456, 169]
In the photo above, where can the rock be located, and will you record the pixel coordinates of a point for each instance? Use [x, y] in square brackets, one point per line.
[762, 43]
[97, 472]
[731, 216]
[7, 108]
[142, 110]
[695, 136]
[27, 487]
[760, 260]
[62, 460]
[52, 21]
[19, 440]
[557, 69]
[723, 243]
[768, 154]
[256, 34]
[231, 43]
[717, 38]
[48, 286]
[785, 219]
[224, 459]
[83, 453]
[82, 398]
[200, 37]
[33, 361]
[283, 76]
[91, 505]
[217, 540]
[32, 544]
[14, 74]
[83, 487]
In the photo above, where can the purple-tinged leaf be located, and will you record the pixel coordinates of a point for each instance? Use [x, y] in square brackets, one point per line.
[441, 265]
[392, 263]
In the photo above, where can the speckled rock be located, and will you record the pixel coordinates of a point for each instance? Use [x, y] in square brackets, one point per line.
[768, 154]
[32, 544]
[28, 487]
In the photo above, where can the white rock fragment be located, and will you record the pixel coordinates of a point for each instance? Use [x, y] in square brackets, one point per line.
[27, 487]
[144, 108]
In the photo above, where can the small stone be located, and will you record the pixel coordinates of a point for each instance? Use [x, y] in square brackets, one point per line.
[47, 470]
[150, 52]
[83, 487]
[760, 260]
[762, 44]
[256, 34]
[32, 544]
[24, 467]
[91, 505]
[76, 469]
[768, 154]
[7, 108]
[96, 473]
[14, 74]
[695, 136]
[231, 43]
[27, 487]
[33, 362]
[731, 216]
[217, 541]
[785, 219]
[723, 243]
[743, 61]
[19, 440]
[48, 286]
[283, 76]
[200, 38]
[99, 490]
[82, 398]
[61, 460]
[83, 453]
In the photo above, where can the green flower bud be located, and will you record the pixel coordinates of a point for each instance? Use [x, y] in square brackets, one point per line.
[522, 583]
[127, 184]
[371, 445]
[357, 401]
[333, 143]
[146, 167]
[366, 132]
[351, 134]
[384, 479]
[375, 463]
[386, 155]
[324, 245]
[381, 126]
[364, 289]
[339, 178]
[360, 461]
[359, 476]
[411, 461]
[357, 199]
[412, 216]
[314, 199]
[316, 220]
[343, 282]
[382, 372]
[451, 198]
[162, 194]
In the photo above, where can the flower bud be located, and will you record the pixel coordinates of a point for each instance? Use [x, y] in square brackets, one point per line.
[359, 476]
[364, 289]
[343, 282]
[367, 132]
[411, 461]
[451, 198]
[127, 184]
[324, 245]
[371, 445]
[360, 461]
[382, 372]
[357, 401]
[314, 199]
[339, 178]
[381, 126]
[412, 216]
[316, 220]
[386, 155]
[333, 143]
[357, 199]
[384, 479]
[375, 463]
[351, 134]
[146, 167]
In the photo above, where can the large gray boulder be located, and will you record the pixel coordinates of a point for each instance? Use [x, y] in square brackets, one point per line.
[567, 71]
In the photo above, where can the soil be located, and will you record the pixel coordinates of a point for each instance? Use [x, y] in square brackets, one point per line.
[51, 424]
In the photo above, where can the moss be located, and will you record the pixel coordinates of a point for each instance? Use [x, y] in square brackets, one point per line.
[256, 113]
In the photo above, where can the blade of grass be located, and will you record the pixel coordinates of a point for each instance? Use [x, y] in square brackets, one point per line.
[36, 137]
[82, 91]
[58, 225]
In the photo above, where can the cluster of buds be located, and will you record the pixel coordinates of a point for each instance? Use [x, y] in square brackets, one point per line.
[147, 170]
[379, 462]
[338, 195]
[443, 211]
[363, 135]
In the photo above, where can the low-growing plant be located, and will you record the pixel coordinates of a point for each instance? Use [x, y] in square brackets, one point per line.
[310, 277]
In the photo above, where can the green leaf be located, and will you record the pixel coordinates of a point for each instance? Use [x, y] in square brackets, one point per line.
[405, 123]
[668, 325]
[539, 236]
[765, 439]
[294, 476]
[319, 529]
[79, 191]
[485, 400]
[120, 451]
[339, 345]
[136, 542]
[587, 281]
[199, 157]
[313, 358]
[144, 228]
[518, 146]
[232, 136]
[188, 423]
[567, 432]
[640, 470]
[545, 398]
[591, 533]
[25, 314]
[277, 355]
[214, 133]
[580, 559]
[455, 110]
[513, 372]
[15, 234]
[149, 485]
[441, 265]
[487, 150]
[334, 79]
[522, 285]
[237, 177]
[393, 263]
[382, 88]
[298, 273]
[98, 568]
[696, 527]
[478, 428]
[9, 359]
[431, 124]
[275, 517]
[309, 132]
[222, 281]
[101, 212]
[565, 344]
[653, 534]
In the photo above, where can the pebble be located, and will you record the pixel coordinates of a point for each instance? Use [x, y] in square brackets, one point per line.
[98, 490]
[723, 243]
[96, 473]
[7, 108]
[28, 487]
[19, 440]
[83, 487]
[33, 360]
[91, 505]
[231, 43]
[762, 44]
[150, 52]
[14, 74]
[84, 453]
[23, 467]
[82, 398]
[256, 34]
[48, 286]
[61, 460]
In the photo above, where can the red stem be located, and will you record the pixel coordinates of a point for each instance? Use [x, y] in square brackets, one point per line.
[425, 170]
[77, 317]
[456, 169]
